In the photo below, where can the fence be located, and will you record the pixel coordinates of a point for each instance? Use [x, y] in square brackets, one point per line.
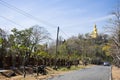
[8, 62]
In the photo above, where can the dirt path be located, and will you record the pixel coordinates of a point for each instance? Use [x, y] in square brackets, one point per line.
[34, 76]
[51, 73]
[115, 73]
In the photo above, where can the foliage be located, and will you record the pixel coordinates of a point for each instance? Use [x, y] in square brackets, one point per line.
[26, 43]
[106, 49]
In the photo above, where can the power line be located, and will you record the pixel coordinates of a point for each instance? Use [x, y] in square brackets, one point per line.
[64, 33]
[23, 26]
[25, 13]
[11, 21]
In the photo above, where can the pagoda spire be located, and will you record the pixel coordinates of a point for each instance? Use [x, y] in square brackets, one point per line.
[94, 33]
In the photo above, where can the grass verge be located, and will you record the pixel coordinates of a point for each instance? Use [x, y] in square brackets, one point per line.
[71, 68]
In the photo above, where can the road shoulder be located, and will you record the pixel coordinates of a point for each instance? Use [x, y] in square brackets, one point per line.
[115, 73]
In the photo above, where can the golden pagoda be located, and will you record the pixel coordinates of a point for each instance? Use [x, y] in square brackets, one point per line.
[94, 33]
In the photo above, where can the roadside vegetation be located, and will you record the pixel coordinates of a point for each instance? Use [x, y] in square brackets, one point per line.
[25, 50]
[30, 48]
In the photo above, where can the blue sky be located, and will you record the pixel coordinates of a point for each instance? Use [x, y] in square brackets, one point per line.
[72, 16]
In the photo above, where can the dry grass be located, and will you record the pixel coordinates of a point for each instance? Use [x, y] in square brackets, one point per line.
[116, 73]
[51, 73]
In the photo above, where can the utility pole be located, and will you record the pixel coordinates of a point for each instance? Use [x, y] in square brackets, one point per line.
[57, 40]
[56, 48]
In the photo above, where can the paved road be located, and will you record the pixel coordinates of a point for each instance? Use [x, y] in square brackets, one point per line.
[93, 73]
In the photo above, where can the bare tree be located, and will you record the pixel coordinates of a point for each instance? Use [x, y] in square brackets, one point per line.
[114, 29]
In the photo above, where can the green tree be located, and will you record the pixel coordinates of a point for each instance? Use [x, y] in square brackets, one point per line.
[3, 46]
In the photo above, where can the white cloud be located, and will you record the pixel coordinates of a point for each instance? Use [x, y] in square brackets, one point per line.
[102, 18]
[70, 18]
